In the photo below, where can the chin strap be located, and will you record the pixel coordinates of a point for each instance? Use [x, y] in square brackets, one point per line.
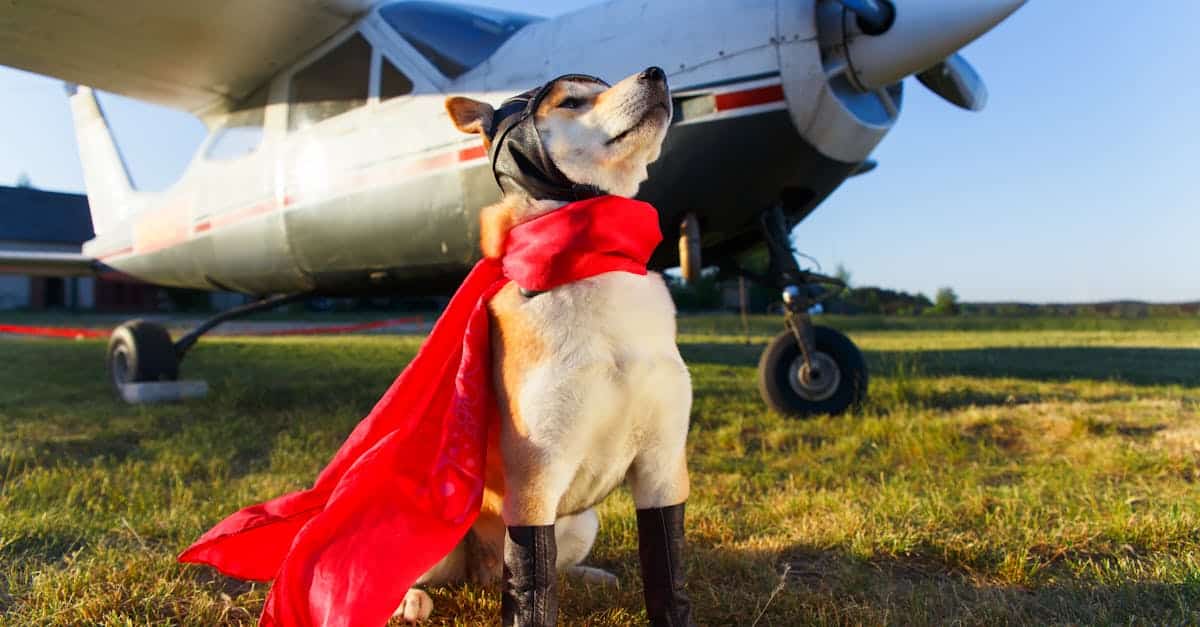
[520, 162]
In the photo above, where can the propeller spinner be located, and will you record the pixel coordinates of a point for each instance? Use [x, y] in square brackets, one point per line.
[875, 17]
[921, 37]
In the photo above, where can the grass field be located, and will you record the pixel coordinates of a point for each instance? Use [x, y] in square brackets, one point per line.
[1036, 471]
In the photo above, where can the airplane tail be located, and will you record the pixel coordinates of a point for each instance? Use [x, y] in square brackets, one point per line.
[109, 187]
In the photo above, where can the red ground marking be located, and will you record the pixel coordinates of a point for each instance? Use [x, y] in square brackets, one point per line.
[75, 333]
[62, 332]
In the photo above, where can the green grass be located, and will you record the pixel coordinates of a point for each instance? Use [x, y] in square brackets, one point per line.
[1037, 472]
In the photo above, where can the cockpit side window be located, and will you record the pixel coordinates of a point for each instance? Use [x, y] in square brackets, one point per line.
[332, 85]
[392, 82]
[242, 131]
[453, 38]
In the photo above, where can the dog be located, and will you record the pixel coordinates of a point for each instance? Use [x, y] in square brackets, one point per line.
[591, 388]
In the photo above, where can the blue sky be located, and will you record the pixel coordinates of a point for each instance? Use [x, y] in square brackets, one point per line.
[1077, 183]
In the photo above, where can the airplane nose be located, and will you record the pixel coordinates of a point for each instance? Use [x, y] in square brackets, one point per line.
[923, 33]
[653, 74]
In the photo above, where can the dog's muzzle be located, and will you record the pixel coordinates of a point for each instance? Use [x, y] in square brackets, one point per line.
[519, 159]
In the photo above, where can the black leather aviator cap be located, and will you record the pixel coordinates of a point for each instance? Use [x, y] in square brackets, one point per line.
[519, 159]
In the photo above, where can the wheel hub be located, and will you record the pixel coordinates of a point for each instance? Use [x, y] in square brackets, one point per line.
[818, 382]
[120, 365]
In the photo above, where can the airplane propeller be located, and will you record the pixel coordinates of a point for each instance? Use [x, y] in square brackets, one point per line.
[956, 82]
[952, 78]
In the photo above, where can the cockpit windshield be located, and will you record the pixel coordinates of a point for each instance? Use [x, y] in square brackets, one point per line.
[453, 38]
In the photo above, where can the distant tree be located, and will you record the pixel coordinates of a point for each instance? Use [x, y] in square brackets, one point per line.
[703, 294]
[877, 300]
[842, 273]
[24, 181]
[946, 302]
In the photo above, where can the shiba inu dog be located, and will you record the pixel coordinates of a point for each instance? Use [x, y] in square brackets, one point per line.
[591, 387]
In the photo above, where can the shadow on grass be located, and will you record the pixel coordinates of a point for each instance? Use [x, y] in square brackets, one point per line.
[1138, 366]
[112, 445]
[805, 585]
[45, 545]
[923, 590]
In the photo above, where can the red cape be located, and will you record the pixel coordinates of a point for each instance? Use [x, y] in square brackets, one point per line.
[407, 484]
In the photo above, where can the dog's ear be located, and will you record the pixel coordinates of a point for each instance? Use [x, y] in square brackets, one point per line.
[470, 116]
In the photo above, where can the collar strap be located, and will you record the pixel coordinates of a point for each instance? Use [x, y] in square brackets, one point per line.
[519, 158]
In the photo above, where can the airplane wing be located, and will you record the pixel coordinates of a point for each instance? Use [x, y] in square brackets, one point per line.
[47, 264]
[199, 56]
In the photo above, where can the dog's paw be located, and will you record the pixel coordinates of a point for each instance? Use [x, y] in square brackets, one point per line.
[593, 576]
[416, 606]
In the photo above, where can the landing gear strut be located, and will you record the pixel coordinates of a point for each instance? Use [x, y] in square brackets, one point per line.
[689, 249]
[140, 351]
[808, 369]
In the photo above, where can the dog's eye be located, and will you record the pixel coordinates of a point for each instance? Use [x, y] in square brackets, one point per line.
[572, 103]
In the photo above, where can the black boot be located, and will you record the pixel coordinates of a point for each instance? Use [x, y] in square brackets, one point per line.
[660, 547]
[530, 581]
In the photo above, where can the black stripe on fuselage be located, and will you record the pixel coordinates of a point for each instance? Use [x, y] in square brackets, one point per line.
[725, 82]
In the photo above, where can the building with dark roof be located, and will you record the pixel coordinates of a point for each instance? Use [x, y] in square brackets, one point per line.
[36, 220]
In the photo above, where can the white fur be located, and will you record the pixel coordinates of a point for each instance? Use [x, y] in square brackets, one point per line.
[613, 391]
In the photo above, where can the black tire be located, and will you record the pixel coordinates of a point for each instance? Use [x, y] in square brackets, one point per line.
[782, 391]
[140, 351]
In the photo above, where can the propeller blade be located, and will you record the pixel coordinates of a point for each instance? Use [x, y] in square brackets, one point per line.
[864, 167]
[957, 82]
[875, 17]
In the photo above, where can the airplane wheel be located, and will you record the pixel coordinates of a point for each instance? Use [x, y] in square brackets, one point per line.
[840, 380]
[141, 351]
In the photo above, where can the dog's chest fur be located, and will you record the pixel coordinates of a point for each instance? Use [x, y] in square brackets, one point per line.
[588, 377]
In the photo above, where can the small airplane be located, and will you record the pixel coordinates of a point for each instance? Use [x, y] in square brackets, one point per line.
[331, 167]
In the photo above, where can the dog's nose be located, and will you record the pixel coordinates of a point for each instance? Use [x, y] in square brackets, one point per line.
[653, 74]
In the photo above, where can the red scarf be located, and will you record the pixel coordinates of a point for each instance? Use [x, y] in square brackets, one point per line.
[406, 486]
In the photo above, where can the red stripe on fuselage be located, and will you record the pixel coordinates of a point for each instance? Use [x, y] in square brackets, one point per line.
[471, 154]
[428, 164]
[116, 253]
[237, 215]
[749, 97]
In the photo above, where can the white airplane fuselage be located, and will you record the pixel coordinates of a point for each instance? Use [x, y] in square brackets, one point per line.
[771, 106]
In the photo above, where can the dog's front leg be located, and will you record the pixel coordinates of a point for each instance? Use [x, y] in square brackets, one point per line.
[530, 579]
[660, 550]
[530, 587]
[659, 492]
